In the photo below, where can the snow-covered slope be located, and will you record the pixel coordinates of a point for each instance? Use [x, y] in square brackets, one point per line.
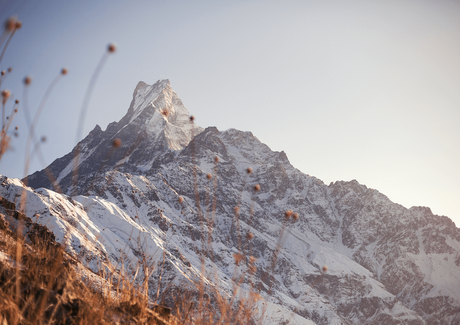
[387, 264]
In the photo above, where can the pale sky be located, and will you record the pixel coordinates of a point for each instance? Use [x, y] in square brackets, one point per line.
[365, 90]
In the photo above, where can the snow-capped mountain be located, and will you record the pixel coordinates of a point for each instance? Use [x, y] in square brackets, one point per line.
[174, 186]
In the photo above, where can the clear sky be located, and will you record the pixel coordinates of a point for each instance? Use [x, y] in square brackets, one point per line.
[365, 90]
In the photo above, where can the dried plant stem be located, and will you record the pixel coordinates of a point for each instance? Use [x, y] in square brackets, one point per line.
[7, 43]
[81, 119]
[31, 136]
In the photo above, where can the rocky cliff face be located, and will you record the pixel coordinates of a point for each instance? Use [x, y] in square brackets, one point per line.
[386, 264]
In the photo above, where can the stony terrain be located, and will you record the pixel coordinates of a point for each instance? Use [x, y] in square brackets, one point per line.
[386, 264]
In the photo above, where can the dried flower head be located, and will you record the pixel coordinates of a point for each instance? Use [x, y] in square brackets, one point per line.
[296, 216]
[250, 235]
[10, 24]
[257, 188]
[216, 159]
[5, 95]
[116, 143]
[3, 72]
[16, 102]
[27, 80]
[288, 214]
[181, 199]
[324, 269]
[16, 128]
[192, 118]
[64, 71]
[165, 112]
[249, 170]
[208, 176]
[18, 25]
[238, 258]
[237, 209]
[15, 110]
[112, 47]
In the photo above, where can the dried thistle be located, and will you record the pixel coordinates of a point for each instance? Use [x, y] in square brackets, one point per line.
[181, 199]
[27, 80]
[238, 258]
[116, 143]
[165, 112]
[112, 47]
[257, 188]
[288, 214]
[64, 71]
[10, 24]
[208, 176]
[249, 170]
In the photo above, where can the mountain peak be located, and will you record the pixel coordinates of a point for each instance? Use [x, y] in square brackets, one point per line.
[157, 122]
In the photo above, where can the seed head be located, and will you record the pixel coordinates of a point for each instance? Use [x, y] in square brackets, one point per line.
[5, 95]
[208, 176]
[237, 209]
[216, 159]
[16, 101]
[249, 170]
[27, 80]
[296, 216]
[16, 128]
[325, 268]
[64, 71]
[181, 199]
[257, 188]
[10, 24]
[238, 258]
[112, 47]
[15, 110]
[250, 236]
[3, 72]
[18, 25]
[288, 214]
[192, 118]
[116, 143]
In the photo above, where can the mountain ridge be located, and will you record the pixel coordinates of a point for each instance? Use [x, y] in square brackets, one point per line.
[387, 264]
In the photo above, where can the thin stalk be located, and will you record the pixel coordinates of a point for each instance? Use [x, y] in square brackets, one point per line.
[81, 119]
